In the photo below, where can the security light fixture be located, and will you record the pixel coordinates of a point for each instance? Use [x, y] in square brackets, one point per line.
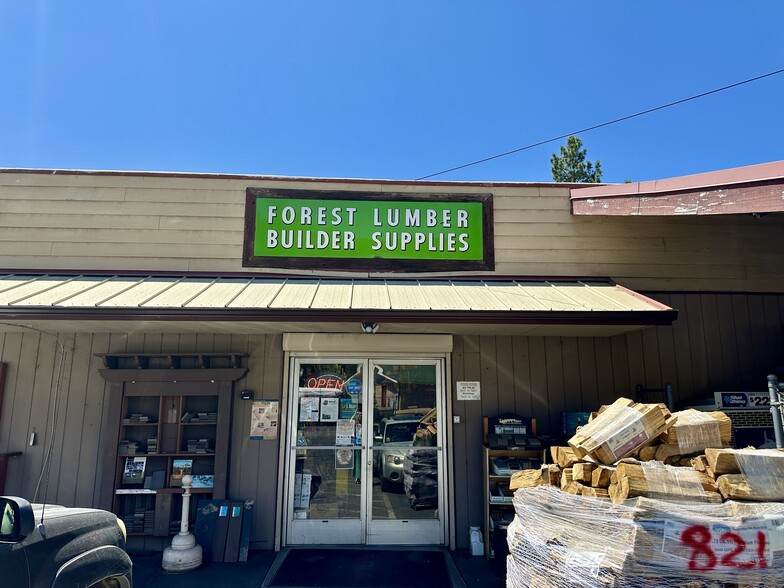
[369, 328]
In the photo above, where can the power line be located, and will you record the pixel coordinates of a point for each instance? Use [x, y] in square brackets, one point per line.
[604, 124]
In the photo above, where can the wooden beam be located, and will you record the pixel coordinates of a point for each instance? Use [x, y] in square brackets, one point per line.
[168, 375]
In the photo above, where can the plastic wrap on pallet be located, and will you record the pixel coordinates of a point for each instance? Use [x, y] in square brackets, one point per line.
[560, 540]
[695, 431]
[673, 483]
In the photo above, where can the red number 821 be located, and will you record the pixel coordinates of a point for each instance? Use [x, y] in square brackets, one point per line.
[703, 558]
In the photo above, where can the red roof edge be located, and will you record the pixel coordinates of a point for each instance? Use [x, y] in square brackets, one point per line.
[740, 175]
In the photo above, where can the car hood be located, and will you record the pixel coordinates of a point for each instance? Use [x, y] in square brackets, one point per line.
[55, 511]
[72, 527]
[397, 447]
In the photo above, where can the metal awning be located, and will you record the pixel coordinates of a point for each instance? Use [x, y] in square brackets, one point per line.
[116, 299]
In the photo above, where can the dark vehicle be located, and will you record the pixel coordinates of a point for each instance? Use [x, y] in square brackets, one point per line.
[60, 547]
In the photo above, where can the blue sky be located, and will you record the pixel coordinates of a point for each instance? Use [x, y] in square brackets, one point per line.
[392, 90]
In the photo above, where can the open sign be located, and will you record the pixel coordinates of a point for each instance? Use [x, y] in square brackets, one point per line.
[325, 383]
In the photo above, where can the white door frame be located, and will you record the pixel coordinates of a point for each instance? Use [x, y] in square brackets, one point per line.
[397, 531]
[351, 347]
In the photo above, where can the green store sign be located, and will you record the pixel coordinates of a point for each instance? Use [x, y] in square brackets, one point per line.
[368, 231]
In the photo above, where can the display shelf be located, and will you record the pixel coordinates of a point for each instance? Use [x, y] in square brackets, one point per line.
[147, 484]
[150, 395]
[497, 507]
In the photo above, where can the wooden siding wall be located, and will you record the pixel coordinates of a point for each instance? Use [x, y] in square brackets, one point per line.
[81, 222]
[35, 376]
[719, 342]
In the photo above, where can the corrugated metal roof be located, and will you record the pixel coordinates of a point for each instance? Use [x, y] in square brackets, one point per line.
[188, 294]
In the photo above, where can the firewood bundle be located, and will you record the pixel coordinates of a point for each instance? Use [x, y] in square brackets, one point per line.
[620, 429]
[746, 474]
[664, 467]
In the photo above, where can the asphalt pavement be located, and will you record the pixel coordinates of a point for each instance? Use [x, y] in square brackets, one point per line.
[148, 573]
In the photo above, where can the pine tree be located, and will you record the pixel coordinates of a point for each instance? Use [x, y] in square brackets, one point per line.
[571, 166]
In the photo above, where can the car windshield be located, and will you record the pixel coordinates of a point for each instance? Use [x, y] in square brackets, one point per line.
[396, 432]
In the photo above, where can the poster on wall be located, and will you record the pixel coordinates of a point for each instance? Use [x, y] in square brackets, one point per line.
[264, 419]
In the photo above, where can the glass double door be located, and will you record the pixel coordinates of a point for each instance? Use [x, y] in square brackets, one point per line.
[365, 455]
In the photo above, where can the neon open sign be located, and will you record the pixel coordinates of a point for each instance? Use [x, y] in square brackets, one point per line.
[327, 382]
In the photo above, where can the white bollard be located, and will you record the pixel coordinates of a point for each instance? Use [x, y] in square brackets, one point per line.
[183, 554]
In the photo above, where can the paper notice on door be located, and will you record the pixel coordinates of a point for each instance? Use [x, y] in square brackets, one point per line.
[329, 410]
[309, 409]
[344, 432]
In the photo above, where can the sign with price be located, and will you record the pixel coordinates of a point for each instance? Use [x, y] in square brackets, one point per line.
[722, 547]
[758, 400]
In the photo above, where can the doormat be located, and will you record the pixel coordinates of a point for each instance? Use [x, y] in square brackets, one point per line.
[361, 568]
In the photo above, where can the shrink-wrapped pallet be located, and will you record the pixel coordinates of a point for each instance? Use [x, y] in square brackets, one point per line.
[620, 429]
[561, 540]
